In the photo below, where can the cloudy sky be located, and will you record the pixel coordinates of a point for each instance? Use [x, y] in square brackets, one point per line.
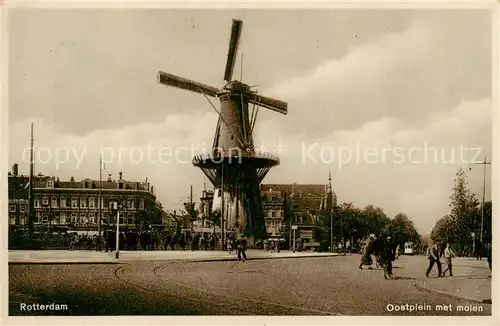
[392, 102]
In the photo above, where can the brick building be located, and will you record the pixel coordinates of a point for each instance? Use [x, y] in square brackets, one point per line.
[74, 205]
[302, 202]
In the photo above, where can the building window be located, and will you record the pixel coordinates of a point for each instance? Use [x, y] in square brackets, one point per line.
[62, 218]
[37, 217]
[92, 218]
[12, 221]
[63, 202]
[83, 202]
[12, 208]
[23, 207]
[92, 202]
[45, 218]
[130, 204]
[73, 217]
[74, 203]
[54, 202]
[37, 202]
[121, 220]
[45, 200]
[21, 221]
[141, 203]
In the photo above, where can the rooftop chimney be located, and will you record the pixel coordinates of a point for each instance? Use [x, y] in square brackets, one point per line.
[121, 175]
[15, 169]
[109, 177]
[72, 179]
[152, 189]
[148, 186]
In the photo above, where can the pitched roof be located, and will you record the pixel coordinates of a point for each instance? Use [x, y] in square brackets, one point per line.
[306, 196]
[304, 190]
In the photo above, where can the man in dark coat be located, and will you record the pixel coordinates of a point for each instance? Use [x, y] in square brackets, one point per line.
[242, 247]
[433, 255]
[388, 255]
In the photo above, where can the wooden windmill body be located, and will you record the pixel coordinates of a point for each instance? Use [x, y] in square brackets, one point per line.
[233, 166]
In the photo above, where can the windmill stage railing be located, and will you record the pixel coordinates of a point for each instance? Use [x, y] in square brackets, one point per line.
[229, 157]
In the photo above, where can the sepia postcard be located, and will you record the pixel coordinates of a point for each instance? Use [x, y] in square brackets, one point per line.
[225, 163]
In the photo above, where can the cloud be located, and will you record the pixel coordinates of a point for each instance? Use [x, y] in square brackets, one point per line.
[426, 68]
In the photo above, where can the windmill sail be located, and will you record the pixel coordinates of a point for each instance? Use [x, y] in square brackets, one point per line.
[233, 49]
[167, 79]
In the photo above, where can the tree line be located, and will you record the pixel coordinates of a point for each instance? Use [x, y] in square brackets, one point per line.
[461, 227]
[352, 224]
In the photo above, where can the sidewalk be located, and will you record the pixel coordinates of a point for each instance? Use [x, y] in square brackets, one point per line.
[470, 281]
[96, 257]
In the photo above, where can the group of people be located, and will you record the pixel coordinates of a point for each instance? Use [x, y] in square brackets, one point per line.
[239, 244]
[197, 241]
[128, 240]
[434, 254]
[384, 248]
[131, 240]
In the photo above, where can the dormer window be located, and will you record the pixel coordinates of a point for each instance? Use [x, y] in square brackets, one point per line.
[50, 184]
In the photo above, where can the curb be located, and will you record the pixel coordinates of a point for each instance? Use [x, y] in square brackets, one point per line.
[125, 261]
[420, 287]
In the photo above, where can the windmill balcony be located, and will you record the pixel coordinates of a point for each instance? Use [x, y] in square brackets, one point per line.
[218, 156]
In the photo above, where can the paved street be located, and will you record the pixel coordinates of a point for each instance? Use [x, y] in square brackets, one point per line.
[305, 286]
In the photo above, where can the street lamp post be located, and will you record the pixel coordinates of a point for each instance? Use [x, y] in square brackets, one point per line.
[116, 207]
[484, 163]
[100, 198]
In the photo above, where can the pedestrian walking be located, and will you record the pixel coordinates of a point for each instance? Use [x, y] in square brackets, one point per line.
[366, 258]
[387, 256]
[433, 256]
[448, 255]
[242, 247]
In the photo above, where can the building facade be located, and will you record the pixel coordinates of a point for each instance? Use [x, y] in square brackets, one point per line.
[77, 205]
[300, 202]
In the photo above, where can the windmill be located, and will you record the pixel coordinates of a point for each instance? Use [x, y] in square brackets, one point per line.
[233, 166]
